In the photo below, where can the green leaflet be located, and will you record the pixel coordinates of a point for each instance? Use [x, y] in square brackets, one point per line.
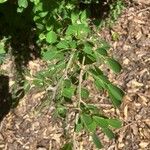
[114, 65]
[89, 123]
[63, 45]
[68, 92]
[61, 110]
[114, 123]
[84, 93]
[97, 141]
[2, 1]
[116, 92]
[115, 101]
[88, 49]
[78, 125]
[101, 122]
[102, 51]
[50, 54]
[23, 3]
[51, 37]
[78, 30]
[108, 132]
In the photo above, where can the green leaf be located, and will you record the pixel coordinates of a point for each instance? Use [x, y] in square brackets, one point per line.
[96, 72]
[84, 93]
[68, 92]
[114, 123]
[80, 31]
[2, 48]
[73, 44]
[83, 17]
[114, 65]
[88, 122]
[43, 14]
[100, 121]
[67, 146]
[2, 1]
[116, 92]
[74, 17]
[108, 132]
[88, 49]
[78, 125]
[92, 108]
[51, 37]
[105, 45]
[96, 141]
[38, 82]
[87, 119]
[115, 101]
[61, 110]
[72, 29]
[102, 51]
[101, 81]
[23, 3]
[92, 126]
[50, 54]
[99, 84]
[62, 45]
[90, 59]
[67, 83]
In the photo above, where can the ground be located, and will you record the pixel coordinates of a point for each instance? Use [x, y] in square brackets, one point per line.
[24, 128]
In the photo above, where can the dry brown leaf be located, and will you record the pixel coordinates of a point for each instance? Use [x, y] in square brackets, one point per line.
[126, 113]
[144, 144]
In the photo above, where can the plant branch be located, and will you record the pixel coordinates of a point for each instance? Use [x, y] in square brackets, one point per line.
[80, 100]
[80, 83]
[55, 88]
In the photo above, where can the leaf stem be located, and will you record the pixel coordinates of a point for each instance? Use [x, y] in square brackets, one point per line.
[80, 82]
[54, 89]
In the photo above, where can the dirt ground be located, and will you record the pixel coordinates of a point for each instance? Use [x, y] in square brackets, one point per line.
[25, 129]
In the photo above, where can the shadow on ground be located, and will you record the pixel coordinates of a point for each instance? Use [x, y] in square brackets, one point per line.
[5, 96]
[21, 46]
[99, 9]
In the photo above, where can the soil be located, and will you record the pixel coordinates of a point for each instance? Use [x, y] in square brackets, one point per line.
[25, 128]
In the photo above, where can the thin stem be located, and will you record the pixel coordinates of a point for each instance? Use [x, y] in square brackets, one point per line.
[74, 133]
[80, 83]
[54, 89]
[80, 100]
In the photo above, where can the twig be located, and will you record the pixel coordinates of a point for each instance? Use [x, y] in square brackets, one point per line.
[80, 83]
[79, 100]
[54, 89]
[74, 134]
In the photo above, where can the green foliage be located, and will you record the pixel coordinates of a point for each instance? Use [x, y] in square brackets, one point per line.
[97, 141]
[2, 49]
[2, 1]
[73, 54]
